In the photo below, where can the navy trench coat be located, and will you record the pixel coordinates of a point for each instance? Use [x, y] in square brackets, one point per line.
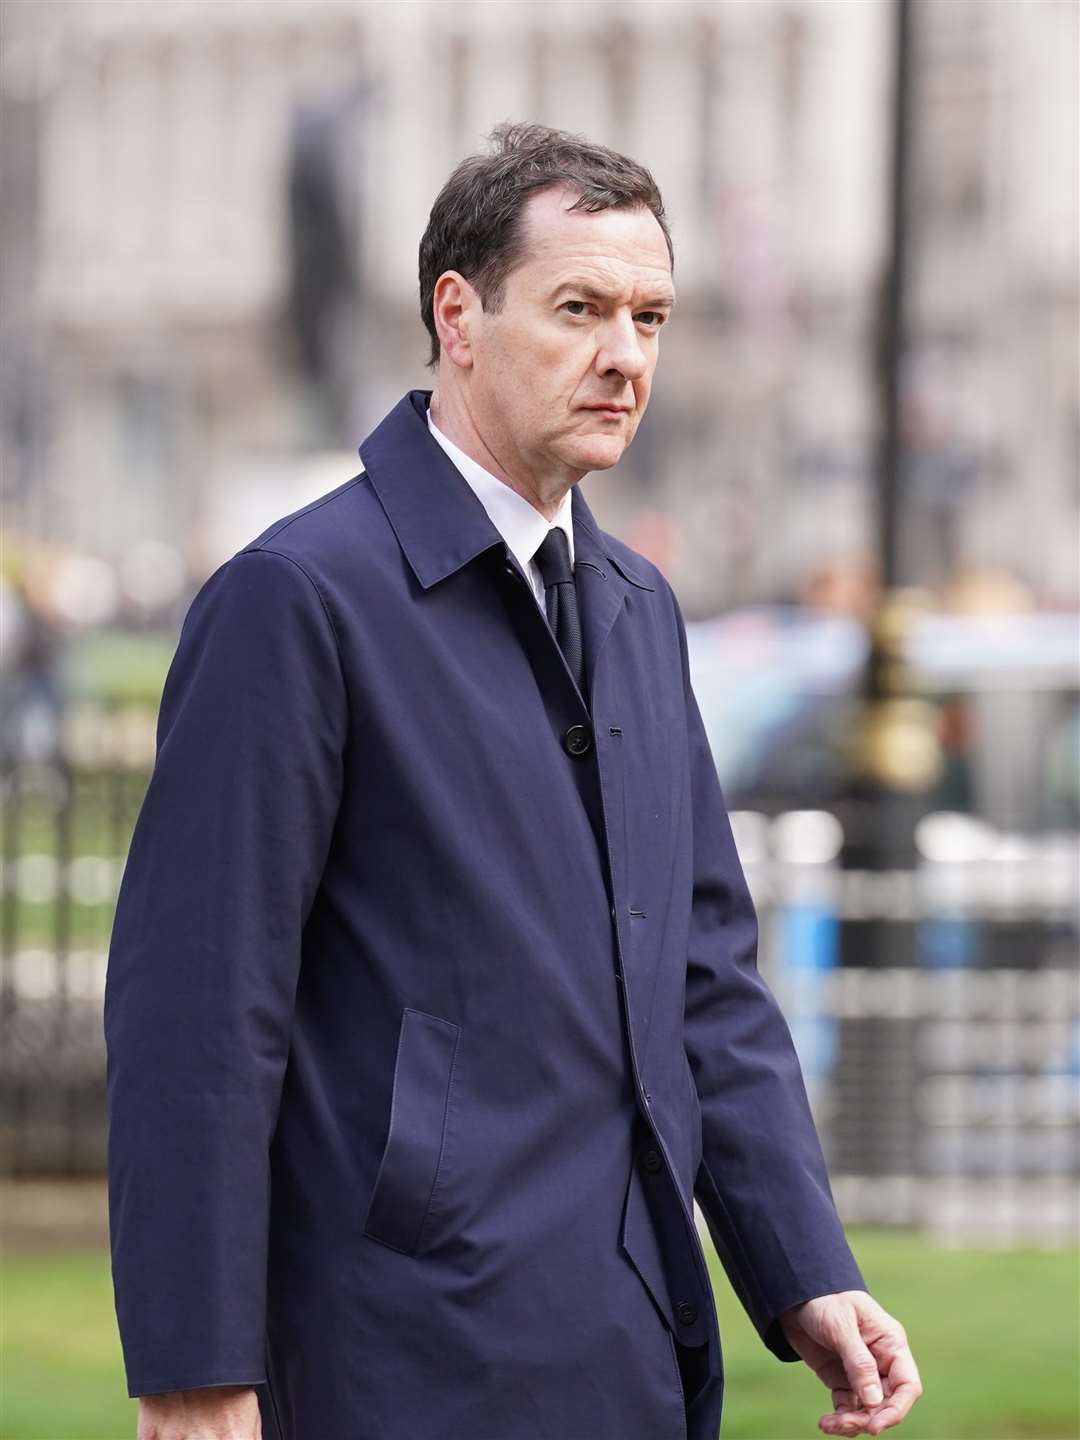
[432, 1000]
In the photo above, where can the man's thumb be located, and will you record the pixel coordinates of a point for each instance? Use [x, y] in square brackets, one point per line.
[861, 1368]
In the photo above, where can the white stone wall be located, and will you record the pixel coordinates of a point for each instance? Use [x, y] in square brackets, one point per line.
[158, 246]
[166, 130]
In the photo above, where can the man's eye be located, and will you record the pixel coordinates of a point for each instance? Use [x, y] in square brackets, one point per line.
[581, 307]
[652, 318]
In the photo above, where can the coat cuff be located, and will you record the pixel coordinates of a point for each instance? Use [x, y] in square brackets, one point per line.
[772, 1334]
[139, 1385]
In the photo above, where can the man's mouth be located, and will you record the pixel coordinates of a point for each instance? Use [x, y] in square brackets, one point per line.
[612, 411]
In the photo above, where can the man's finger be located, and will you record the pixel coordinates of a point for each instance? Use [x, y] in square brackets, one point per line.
[902, 1399]
[861, 1368]
[903, 1379]
[857, 1422]
[883, 1419]
[844, 1398]
[846, 1421]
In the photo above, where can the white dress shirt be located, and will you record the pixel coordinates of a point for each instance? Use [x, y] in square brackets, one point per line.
[519, 523]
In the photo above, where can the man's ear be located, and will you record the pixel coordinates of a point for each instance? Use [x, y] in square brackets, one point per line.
[456, 307]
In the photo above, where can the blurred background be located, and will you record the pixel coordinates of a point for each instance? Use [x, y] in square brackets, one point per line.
[860, 470]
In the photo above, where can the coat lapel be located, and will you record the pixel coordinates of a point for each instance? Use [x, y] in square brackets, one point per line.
[602, 582]
[438, 520]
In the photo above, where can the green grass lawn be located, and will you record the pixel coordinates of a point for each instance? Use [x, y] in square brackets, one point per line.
[996, 1336]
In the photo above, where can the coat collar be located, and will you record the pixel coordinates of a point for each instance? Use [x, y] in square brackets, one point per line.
[438, 520]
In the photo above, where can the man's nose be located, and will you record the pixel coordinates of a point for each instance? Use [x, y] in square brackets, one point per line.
[620, 350]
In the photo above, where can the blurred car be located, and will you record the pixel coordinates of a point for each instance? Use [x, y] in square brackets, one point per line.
[778, 688]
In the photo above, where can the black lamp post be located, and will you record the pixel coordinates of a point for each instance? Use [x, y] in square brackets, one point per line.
[894, 753]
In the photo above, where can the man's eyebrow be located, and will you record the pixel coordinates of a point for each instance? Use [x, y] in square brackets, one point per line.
[592, 292]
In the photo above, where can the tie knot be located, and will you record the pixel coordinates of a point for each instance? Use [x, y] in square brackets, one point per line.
[553, 557]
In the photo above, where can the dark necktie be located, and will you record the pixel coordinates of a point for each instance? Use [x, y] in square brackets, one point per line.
[553, 560]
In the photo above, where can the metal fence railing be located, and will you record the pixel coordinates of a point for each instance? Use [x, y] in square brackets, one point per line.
[65, 834]
[946, 1090]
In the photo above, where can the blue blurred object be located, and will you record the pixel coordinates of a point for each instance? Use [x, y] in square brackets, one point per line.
[809, 949]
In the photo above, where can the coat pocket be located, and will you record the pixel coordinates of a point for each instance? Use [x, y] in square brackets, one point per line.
[412, 1165]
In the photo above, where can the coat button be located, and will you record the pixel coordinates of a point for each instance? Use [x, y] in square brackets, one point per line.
[577, 740]
[652, 1161]
[685, 1313]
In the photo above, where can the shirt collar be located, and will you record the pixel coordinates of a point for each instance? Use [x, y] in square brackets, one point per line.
[519, 523]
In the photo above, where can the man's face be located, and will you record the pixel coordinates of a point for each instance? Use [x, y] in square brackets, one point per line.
[562, 371]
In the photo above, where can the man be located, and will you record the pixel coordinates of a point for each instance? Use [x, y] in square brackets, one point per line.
[432, 1000]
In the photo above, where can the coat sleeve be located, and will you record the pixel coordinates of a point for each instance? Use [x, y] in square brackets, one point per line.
[225, 860]
[762, 1184]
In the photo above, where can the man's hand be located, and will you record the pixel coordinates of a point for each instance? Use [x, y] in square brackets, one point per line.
[223, 1412]
[861, 1354]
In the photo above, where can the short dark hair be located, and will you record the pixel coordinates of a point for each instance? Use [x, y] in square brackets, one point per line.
[475, 223]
